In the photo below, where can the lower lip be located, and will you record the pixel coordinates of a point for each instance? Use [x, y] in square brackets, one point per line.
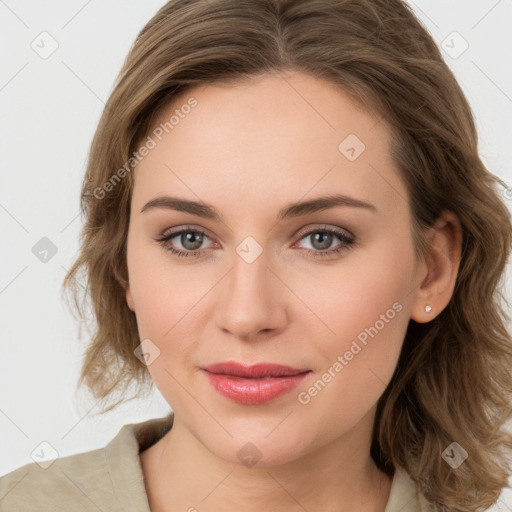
[253, 391]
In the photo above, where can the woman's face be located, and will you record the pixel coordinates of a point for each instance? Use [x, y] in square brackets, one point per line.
[325, 291]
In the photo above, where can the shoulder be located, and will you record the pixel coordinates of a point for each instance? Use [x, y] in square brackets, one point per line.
[68, 483]
[106, 479]
[406, 496]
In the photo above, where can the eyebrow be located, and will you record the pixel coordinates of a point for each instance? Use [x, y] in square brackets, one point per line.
[291, 210]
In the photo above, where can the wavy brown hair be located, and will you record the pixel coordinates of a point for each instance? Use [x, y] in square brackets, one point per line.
[453, 379]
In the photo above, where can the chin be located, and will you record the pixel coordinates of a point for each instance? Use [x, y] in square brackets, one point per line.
[260, 444]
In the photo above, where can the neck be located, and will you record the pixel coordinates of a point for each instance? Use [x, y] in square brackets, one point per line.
[181, 474]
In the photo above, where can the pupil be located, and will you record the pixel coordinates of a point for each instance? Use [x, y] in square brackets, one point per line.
[326, 237]
[189, 238]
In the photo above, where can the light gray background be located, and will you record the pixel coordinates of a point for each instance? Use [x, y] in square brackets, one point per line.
[49, 110]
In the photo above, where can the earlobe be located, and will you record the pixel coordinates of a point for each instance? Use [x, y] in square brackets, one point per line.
[442, 266]
[129, 298]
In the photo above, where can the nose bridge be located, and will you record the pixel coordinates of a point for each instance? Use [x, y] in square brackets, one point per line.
[248, 304]
[249, 277]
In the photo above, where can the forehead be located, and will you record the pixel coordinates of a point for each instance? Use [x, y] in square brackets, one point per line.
[278, 137]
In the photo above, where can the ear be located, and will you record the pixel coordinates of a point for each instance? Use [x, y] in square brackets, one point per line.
[437, 275]
[129, 298]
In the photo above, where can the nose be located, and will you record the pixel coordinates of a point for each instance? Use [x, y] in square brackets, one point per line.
[253, 299]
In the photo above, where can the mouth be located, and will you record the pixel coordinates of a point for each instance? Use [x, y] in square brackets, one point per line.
[256, 384]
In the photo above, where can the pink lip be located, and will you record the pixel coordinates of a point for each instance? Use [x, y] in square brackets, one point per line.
[254, 384]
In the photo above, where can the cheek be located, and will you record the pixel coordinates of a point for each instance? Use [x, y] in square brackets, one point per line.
[358, 362]
[164, 312]
[150, 289]
[363, 317]
[166, 299]
[356, 294]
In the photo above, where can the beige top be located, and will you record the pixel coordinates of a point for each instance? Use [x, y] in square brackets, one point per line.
[111, 479]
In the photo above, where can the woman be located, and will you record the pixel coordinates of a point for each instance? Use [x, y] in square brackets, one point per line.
[289, 231]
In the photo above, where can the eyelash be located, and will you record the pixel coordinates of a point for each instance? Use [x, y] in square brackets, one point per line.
[346, 245]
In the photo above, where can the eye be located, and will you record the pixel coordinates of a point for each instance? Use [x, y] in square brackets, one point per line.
[322, 239]
[191, 241]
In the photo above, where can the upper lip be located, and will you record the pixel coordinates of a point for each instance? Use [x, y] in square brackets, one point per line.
[254, 371]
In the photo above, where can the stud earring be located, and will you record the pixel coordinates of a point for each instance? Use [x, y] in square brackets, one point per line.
[428, 308]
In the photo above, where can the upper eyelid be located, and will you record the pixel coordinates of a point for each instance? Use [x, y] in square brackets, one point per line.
[324, 227]
[172, 232]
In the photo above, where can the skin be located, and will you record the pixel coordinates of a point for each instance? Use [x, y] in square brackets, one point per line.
[249, 150]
